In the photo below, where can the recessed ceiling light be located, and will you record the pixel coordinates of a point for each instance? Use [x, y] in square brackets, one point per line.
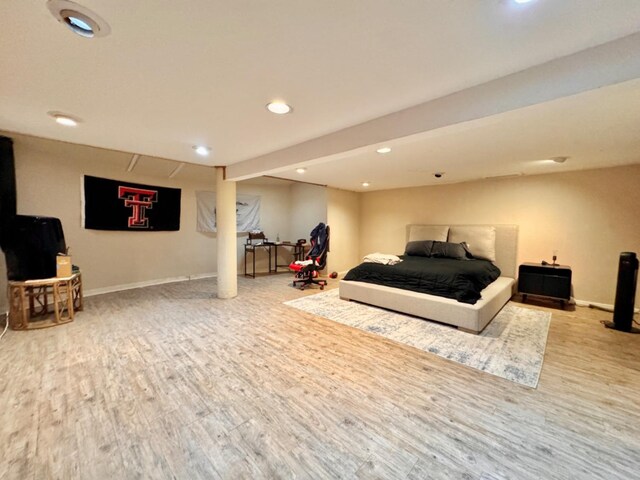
[522, 1]
[384, 150]
[365, 184]
[79, 19]
[301, 170]
[202, 150]
[64, 119]
[559, 159]
[279, 108]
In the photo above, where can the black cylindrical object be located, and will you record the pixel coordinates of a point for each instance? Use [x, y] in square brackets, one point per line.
[7, 187]
[32, 245]
[626, 291]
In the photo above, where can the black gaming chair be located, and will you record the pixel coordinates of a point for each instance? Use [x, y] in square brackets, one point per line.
[308, 271]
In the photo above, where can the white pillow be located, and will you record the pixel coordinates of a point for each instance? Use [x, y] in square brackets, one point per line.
[481, 240]
[428, 232]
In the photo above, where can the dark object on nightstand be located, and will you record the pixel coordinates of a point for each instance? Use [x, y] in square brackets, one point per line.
[625, 293]
[550, 281]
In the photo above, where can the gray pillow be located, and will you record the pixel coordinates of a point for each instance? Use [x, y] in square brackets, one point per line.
[457, 251]
[419, 248]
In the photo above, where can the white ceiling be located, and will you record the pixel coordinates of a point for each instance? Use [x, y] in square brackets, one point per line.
[174, 74]
[595, 129]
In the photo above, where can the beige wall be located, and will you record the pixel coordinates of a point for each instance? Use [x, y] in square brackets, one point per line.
[275, 214]
[48, 175]
[343, 217]
[308, 208]
[588, 216]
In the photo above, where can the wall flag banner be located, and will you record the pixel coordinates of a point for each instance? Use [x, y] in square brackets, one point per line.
[247, 211]
[115, 205]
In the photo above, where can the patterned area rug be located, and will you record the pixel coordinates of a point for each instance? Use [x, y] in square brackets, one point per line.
[511, 346]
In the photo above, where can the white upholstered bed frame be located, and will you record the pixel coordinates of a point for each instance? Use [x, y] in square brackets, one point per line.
[470, 318]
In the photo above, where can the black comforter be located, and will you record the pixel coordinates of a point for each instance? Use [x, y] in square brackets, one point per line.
[462, 280]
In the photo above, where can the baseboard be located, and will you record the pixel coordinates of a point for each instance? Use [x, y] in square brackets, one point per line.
[146, 283]
[198, 276]
[603, 306]
[586, 303]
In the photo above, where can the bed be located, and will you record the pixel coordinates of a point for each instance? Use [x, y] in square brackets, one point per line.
[467, 316]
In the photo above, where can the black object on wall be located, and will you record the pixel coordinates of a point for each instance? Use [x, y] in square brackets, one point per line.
[7, 187]
[625, 293]
[115, 205]
[31, 247]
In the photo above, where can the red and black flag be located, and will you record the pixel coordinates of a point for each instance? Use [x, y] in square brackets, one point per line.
[115, 205]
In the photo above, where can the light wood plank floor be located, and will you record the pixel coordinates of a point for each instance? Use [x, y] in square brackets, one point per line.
[170, 382]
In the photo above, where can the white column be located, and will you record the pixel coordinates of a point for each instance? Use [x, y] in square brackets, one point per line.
[226, 236]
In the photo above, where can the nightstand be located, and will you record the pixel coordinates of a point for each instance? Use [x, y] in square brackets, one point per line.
[550, 281]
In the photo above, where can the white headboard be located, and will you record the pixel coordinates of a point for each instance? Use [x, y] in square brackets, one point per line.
[506, 246]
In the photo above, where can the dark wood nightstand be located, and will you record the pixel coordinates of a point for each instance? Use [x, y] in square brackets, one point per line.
[550, 281]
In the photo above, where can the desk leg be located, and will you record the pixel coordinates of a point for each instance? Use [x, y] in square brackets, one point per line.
[253, 262]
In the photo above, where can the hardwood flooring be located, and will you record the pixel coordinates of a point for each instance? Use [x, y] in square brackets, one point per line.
[170, 382]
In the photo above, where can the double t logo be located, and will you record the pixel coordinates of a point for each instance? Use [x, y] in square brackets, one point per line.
[139, 199]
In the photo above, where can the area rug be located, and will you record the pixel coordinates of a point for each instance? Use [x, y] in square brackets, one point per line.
[511, 346]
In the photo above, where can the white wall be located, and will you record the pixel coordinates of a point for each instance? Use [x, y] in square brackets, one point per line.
[588, 216]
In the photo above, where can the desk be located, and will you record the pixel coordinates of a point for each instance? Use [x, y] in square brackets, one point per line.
[251, 248]
[297, 250]
[31, 299]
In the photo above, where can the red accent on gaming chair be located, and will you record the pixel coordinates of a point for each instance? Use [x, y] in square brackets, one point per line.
[306, 274]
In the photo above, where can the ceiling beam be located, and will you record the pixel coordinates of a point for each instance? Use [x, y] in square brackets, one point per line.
[177, 170]
[132, 163]
[607, 64]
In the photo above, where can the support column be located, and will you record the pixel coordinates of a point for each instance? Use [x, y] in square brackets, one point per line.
[226, 236]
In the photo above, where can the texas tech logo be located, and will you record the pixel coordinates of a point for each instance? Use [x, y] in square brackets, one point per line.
[139, 199]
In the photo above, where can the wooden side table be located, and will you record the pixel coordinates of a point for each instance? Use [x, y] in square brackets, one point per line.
[32, 301]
